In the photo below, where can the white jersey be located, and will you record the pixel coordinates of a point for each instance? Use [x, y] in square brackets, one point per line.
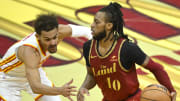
[13, 77]
[12, 70]
[12, 66]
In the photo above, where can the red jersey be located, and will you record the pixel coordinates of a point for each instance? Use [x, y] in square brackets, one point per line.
[115, 82]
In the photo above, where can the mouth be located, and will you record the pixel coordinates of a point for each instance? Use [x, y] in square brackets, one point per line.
[52, 49]
[92, 31]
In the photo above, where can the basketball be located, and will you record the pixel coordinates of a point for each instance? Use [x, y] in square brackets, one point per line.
[155, 92]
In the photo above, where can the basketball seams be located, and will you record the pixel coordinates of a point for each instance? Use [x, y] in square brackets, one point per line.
[158, 86]
[148, 99]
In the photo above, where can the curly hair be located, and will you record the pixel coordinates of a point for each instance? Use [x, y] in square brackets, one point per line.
[45, 22]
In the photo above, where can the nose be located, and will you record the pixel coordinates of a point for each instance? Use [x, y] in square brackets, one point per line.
[92, 25]
[53, 42]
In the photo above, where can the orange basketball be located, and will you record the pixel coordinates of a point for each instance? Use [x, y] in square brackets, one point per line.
[155, 92]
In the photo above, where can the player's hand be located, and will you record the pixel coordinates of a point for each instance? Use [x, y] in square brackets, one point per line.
[81, 92]
[67, 90]
[173, 95]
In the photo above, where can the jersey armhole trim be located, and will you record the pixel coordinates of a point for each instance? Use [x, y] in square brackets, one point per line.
[29, 45]
[119, 57]
[92, 41]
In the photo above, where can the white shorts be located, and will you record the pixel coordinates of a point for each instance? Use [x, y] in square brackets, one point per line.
[11, 87]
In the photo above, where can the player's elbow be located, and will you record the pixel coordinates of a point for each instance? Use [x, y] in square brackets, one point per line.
[36, 89]
[153, 66]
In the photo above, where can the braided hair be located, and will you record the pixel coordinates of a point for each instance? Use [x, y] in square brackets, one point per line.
[114, 15]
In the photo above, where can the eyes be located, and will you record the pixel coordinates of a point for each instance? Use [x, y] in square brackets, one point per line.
[96, 21]
[49, 39]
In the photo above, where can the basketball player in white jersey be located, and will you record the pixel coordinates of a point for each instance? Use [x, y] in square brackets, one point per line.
[20, 68]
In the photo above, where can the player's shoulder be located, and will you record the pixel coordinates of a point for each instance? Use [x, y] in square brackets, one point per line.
[129, 43]
[27, 49]
[87, 43]
[25, 52]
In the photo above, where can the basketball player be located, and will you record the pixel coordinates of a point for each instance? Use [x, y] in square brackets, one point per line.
[20, 68]
[111, 57]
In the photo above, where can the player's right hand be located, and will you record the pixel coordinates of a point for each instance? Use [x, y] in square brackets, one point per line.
[67, 90]
[81, 92]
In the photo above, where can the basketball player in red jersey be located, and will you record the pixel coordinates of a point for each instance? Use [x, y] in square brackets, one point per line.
[111, 57]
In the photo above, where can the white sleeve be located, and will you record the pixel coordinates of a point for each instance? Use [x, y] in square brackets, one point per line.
[79, 31]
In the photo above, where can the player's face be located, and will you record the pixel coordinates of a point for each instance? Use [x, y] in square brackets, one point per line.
[98, 26]
[49, 40]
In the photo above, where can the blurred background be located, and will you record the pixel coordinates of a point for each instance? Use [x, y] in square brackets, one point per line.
[153, 24]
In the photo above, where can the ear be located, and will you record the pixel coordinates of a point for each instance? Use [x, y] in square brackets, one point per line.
[37, 36]
[109, 26]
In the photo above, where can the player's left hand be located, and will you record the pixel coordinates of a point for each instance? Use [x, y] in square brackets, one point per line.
[173, 95]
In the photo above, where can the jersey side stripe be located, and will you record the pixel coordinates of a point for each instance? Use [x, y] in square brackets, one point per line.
[7, 60]
[37, 98]
[2, 99]
[17, 64]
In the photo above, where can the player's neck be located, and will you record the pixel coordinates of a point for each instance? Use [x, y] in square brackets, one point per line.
[43, 49]
[105, 43]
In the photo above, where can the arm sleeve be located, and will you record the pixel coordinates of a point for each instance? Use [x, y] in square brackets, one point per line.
[160, 74]
[79, 31]
[130, 54]
[86, 50]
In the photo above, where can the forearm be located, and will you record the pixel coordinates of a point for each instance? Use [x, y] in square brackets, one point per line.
[164, 79]
[160, 74]
[89, 82]
[46, 90]
[74, 31]
[79, 31]
[34, 80]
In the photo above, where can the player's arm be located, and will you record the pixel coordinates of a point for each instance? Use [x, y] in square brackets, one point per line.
[89, 81]
[31, 59]
[74, 31]
[139, 57]
[88, 84]
[160, 74]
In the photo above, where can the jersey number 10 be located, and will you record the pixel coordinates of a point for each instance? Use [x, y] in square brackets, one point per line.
[115, 84]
